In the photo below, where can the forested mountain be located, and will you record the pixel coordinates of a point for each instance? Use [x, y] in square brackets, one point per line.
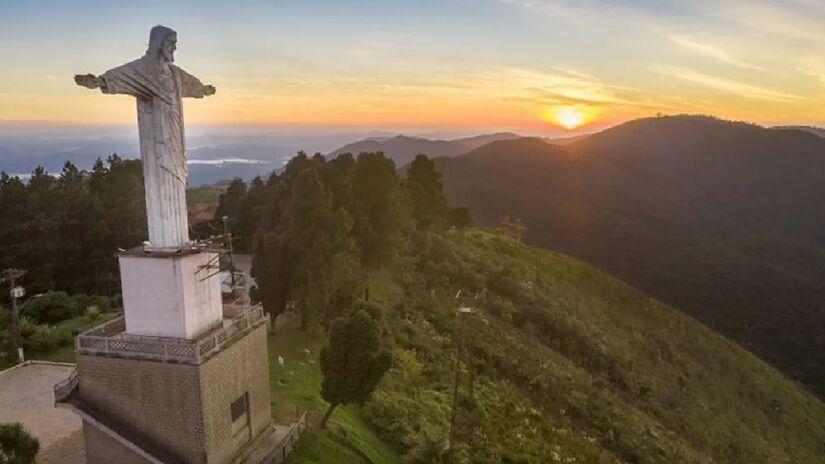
[402, 149]
[723, 220]
[558, 361]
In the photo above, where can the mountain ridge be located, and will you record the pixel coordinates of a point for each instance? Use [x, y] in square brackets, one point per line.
[722, 220]
[402, 149]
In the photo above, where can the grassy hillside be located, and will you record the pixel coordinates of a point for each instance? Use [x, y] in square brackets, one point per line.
[722, 220]
[561, 363]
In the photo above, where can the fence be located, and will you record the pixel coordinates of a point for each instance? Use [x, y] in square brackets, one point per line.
[288, 442]
[109, 339]
[64, 388]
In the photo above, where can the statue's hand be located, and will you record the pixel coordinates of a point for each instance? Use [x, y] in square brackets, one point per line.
[90, 81]
[209, 90]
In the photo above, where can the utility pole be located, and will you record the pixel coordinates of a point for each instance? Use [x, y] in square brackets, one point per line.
[15, 292]
[228, 239]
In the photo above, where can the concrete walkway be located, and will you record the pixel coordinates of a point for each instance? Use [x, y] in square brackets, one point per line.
[27, 396]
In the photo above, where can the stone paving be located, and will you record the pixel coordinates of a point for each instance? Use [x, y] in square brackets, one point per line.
[27, 396]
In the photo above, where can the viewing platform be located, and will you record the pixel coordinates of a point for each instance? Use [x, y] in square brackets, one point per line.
[110, 339]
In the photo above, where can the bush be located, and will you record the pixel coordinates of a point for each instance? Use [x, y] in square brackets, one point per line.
[92, 313]
[17, 446]
[45, 339]
[51, 307]
[103, 304]
[27, 327]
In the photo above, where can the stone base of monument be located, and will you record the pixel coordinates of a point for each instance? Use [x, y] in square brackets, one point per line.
[170, 294]
[171, 400]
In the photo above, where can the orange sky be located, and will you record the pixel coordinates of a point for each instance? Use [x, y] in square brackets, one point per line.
[509, 64]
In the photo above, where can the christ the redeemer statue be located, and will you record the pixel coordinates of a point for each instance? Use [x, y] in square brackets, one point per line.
[158, 85]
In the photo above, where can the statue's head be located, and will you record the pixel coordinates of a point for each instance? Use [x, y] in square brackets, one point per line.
[162, 44]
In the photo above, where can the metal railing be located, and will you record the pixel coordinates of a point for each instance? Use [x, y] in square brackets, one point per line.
[64, 388]
[287, 444]
[109, 339]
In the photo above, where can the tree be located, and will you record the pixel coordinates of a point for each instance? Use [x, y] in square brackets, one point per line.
[353, 362]
[253, 210]
[378, 210]
[17, 446]
[231, 201]
[317, 238]
[460, 217]
[271, 266]
[426, 193]
[309, 257]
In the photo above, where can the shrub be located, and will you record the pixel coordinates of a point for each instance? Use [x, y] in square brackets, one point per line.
[27, 327]
[103, 304]
[17, 446]
[93, 313]
[51, 307]
[46, 338]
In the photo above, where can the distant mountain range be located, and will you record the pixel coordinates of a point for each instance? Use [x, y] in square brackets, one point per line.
[725, 221]
[403, 149]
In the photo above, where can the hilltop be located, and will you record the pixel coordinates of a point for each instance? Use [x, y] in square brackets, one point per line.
[569, 365]
[723, 220]
[402, 149]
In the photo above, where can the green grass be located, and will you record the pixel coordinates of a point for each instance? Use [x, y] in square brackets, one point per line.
[296, 385]
[208, 195]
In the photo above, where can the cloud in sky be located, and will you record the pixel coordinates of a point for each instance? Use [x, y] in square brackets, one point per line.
[430, 62]
[706, 49]
[730, 86]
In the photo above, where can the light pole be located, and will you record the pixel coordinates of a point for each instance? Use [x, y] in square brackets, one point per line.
[462, 310]
[15, 292]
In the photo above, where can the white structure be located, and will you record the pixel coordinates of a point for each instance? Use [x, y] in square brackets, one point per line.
[158, 85]
[180, 378]
[170, 295]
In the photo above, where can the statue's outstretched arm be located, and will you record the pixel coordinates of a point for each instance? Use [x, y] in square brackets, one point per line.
[128, 79]
[90, 81]
[192, 87]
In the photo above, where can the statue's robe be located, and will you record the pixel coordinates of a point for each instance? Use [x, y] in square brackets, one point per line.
[159, 87]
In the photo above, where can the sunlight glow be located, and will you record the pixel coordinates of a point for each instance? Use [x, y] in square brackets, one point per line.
[569, 117]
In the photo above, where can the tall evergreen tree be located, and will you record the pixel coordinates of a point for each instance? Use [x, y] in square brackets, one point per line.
[231, 201]
[318, 239]
[251, 215]
[426, 193]
[353, 362]
[271, 265]
[378, 209]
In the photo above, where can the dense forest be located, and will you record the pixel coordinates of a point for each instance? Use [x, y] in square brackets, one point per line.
[65, 229]
[723, 220]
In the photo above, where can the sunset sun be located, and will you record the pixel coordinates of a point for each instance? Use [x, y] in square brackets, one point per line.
[569, 117]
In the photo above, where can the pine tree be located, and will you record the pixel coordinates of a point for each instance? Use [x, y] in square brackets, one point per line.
[378, 209]
[270, 266]
[353, 362]
[426, 193]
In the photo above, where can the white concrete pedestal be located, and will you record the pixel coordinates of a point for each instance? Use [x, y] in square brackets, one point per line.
[170, 294]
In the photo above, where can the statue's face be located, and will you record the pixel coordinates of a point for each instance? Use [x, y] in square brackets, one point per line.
[167, 49]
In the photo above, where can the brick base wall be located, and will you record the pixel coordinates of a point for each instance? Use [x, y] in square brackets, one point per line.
[102, 449]
[183, 408]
